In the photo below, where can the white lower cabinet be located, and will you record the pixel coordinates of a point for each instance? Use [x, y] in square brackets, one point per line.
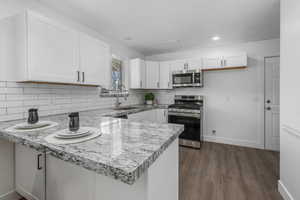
[66, 181]
[29, 173]
[156, 116]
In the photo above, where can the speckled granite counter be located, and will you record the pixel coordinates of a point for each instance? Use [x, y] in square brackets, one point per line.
[124, 152]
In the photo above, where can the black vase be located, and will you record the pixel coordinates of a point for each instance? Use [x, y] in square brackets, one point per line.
[33, 116]
[74, 121]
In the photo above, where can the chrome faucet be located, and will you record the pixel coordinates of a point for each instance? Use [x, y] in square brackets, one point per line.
[120, 94]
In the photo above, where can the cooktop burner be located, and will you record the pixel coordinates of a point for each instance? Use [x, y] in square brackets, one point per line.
[188, 102]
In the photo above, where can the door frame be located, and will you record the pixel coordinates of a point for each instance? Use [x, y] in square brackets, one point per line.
[264, 99]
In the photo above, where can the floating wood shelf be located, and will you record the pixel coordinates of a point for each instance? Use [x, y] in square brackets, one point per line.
[225, 68]
[55, 83]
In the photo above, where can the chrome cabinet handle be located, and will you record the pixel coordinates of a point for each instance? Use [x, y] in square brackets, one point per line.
[39, 167]
[268, 101]
[83, 78]
[268, 108]
[157, 84]
[78, 76]
[224, 63]
[140, 84]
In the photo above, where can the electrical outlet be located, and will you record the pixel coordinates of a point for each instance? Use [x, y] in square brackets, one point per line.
[214, 132]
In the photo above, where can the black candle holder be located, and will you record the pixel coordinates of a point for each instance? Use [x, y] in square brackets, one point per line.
[74, 121]
[33, 116]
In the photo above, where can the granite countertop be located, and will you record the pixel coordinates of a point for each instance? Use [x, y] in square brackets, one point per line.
[124, 151]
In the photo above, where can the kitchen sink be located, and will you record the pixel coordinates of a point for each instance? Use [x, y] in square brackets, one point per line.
[125, 108]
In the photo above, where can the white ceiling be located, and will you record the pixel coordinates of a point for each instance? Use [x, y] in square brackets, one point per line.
[158, 26]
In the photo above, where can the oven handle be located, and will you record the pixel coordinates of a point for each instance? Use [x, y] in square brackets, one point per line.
[197, 116]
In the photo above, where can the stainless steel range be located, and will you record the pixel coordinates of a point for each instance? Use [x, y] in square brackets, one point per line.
[188, 110]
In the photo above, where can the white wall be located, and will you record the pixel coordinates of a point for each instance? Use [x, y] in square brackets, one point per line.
[290, 98]
[50, 99]
[234, 100]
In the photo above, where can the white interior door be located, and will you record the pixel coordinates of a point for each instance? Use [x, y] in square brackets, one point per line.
[272, 78]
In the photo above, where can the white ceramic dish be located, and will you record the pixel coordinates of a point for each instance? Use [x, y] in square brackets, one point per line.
[26, 126]
[67, 134]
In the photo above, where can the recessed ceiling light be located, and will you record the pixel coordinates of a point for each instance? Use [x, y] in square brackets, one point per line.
[215, 38]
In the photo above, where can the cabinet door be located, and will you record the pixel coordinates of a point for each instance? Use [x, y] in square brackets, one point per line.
[29, 173]
[177, 65]
[95, 59]
[137, 74]
[235, 61]
[194, 64]
[165, 75]
[52, 52]
[211, 63]
[152, 75]
[66, 181]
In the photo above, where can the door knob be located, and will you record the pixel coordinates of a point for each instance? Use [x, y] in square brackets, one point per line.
[268, 101]
[268, 108]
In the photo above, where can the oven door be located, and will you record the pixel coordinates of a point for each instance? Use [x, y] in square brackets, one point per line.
[192, 129]
[183, 79]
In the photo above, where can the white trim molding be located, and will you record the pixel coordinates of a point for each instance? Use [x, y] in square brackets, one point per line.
[284, 192]
[231, 141]
[291, 130]
[12, 195]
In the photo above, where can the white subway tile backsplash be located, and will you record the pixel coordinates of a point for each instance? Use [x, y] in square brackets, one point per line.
[11, 117]
[2, 111]
[2, 84]
[2, 97]
[13, 104]
[17, 98]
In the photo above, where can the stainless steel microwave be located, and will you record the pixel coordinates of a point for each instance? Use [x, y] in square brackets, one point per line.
[190, 78]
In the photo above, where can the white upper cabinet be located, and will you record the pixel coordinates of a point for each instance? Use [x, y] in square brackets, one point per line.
[137, 74]
[165, 77]
[177, 65]
[235, 61]
[194, 64]
[211, 62]
[95, 61]
[44, 50]
[52, 52]
[152, 73]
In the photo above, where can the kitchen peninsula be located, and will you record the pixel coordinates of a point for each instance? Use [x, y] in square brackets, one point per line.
[130, 160]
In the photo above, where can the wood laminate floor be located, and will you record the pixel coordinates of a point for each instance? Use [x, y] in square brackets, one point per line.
[225, 172]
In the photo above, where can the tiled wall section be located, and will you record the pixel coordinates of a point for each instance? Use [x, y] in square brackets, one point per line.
[17, 98]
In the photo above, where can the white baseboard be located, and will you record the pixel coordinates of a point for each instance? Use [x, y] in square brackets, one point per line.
[25, 194]
[232, 142]
[12, 195]
[284, 192]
